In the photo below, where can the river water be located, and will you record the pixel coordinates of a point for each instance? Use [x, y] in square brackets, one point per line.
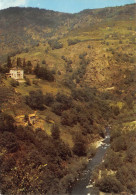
[84, 185]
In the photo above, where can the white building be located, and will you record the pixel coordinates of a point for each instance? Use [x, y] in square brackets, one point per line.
[16, 73]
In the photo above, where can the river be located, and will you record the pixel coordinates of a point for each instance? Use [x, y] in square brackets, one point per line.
[84, 185]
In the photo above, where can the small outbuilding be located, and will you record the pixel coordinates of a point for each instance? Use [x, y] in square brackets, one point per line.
[32, 118]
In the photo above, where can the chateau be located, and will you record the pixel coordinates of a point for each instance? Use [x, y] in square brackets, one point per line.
[16, 73]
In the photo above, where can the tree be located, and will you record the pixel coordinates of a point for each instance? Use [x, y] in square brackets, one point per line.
[110, 184]
[14, 83]
[28, 67]
[57, 108]
[55, 132]
[28, 82]
[48, 99]
[24, 63]
[29, 63]
[79, 145]
[69, 118]
[19, 63]
[43, 62]
[9, 140]
[9, 64]
[65, 100]
[43, 73]
[35, 99]
[36, 69]
[6, 123]
[116, 110]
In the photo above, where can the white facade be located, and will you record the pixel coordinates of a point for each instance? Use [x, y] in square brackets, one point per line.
[16, 73]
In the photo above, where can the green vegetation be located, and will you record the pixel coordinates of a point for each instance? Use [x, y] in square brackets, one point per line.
[119, 163]
[73, 42]
[35, 99]
[117, 172]
[80, 76]
[54, 44]
[43, 73]
[14, 83]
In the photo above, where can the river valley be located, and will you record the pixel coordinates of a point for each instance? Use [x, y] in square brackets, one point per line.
[84, 186]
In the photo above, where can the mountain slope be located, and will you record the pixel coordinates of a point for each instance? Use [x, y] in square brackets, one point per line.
[80, 76]
[32, 25]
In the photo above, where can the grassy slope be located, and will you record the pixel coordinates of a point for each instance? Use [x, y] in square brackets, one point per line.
[103, 66]
[105, 71]
[116, 37]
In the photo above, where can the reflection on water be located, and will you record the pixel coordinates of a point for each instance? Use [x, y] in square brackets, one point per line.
[84, 185]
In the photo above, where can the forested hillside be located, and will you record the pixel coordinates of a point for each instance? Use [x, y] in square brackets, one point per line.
[80, 77]
[33, 26]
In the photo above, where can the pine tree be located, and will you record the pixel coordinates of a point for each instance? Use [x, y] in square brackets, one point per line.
[9, 64]
[36, 69]
[24, 63]
[19, 63]
[29, 63]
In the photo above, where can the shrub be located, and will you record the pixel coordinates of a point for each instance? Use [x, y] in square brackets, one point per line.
[54, 44]
[53, 71]
[48, 99]
[81, 56]
[35, 99]
[92, 151]
[127, 175]
[68, 82]
[35, 82]
[57, 108]
[131, 153]
[34, 158]
[6, 123]
[43, 73]
[63, 150]
[73, 42]
[119, 143]
[110, 184]
[59, 73]
[120, 42]
[8, 164]
[65, 100]
[87, 128]
[80, 147]
[69, 118]
[9, 141]
[82, 94]
[28, 82]
[113, 160]
[55, 132]
[116, 110]
[43, 62]
[14, 83]
[115, 133]
[63, 57]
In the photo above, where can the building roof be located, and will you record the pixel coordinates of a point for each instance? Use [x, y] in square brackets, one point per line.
[32, 115]
[16, 68]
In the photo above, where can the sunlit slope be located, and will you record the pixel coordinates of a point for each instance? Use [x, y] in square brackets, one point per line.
[33, 26]
[101, 56]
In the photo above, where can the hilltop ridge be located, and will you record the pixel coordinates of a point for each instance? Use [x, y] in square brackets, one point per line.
[33, 26]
